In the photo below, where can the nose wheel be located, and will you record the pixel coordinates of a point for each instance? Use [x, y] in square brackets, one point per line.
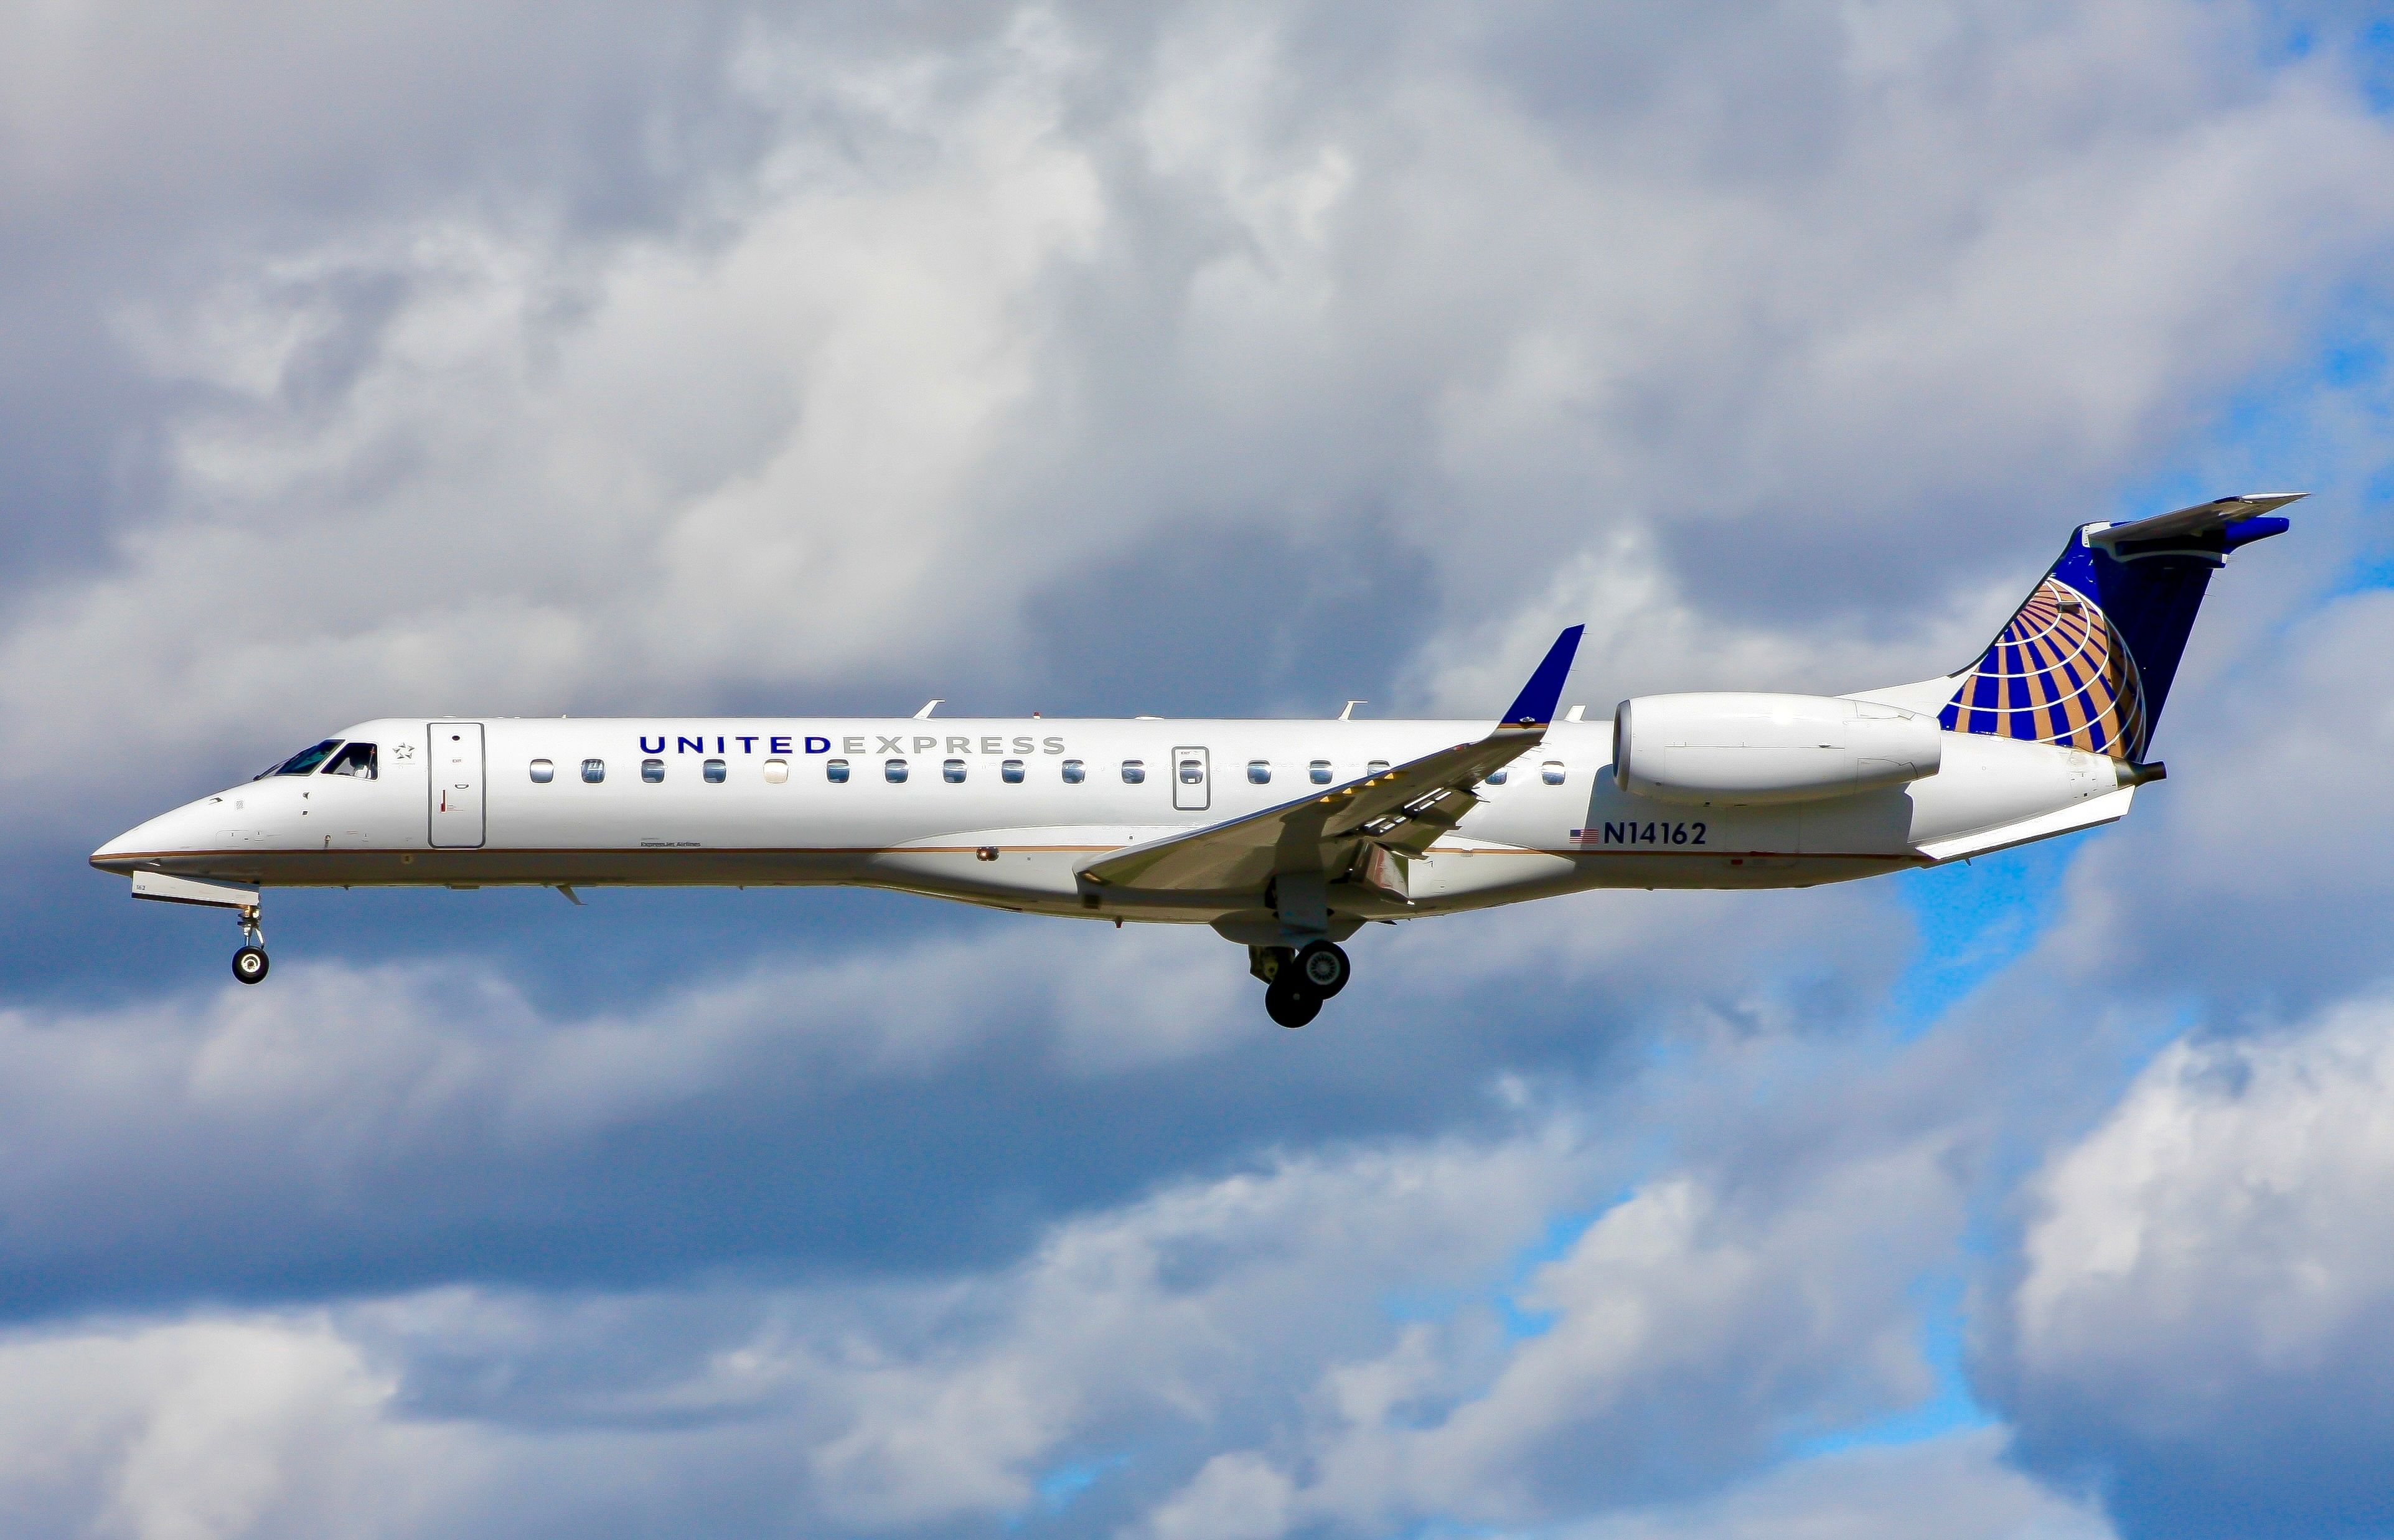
[249, 963]
[1295, 983]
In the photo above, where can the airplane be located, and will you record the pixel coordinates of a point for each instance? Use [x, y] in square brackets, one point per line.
[1286, 837]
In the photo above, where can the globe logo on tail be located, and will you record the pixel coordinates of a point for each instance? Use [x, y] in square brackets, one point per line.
[2058, 674]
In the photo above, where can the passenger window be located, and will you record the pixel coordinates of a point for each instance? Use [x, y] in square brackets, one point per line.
[1134, 770]
[1551, 772]
[594, 771]
[893, 770]
[1259, 772]
[952, 772]
[1496, 778]
[306, 759]
[1074, 772]
[1319, 772]
[714, 770]
[542, 773]
[1011, 772]
[835, 771]
[1375, 767]
[776, 772]
[357, 760]
[653, 771]
[1191, 771]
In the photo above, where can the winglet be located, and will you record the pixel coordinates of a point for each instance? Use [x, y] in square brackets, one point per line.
[1535, 705]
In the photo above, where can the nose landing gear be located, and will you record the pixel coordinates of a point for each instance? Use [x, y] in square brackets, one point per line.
[1296, 982]
[249, 963]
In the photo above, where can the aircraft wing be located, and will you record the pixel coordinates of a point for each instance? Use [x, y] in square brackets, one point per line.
[1401, 810]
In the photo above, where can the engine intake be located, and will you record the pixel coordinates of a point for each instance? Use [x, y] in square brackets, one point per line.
[1724, 747]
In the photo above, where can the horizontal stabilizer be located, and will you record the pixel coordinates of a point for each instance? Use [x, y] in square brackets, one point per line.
[2087, 661]
[2221, 515]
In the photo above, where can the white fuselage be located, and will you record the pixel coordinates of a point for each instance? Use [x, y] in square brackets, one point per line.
[986, 812]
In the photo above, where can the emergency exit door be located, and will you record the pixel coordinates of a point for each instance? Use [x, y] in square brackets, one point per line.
[454, 758]
[1191, 788]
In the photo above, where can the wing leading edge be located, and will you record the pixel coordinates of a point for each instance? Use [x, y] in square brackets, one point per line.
[1346, 829]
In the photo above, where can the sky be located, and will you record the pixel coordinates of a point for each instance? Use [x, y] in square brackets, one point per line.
[1201, 357]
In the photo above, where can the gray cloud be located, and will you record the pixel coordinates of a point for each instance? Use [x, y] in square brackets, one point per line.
[1130, 1344]
[2256, 871]
[1957, 1485]
[358, 1130]
[962, 326]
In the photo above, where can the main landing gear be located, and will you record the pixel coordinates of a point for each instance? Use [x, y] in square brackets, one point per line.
[1296, 981]
[249, 963]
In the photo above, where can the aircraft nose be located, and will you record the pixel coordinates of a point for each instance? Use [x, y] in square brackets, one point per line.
[112, 857]
[167, 832]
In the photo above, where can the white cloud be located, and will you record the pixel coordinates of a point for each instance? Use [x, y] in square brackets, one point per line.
[2203, 1306]
[2228, 1212]
[1686, 1332]
[209, 1430]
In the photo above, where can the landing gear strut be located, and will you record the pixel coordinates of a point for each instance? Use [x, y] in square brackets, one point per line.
[1296, 981]
[249, 963]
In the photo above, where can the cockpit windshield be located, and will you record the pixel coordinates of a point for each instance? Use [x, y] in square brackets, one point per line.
[358, 760]
[301, 762]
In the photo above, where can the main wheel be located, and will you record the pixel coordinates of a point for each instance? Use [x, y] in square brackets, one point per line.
[249, 964]
[1324, 969]
[1290, 1003]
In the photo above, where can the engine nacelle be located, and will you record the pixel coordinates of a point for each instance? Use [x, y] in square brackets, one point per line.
[1747, 748]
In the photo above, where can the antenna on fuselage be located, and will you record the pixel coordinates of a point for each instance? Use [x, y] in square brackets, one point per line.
[1349, 712]
[930, 706]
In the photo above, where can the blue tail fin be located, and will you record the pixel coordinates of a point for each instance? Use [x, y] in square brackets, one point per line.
[2087, 660]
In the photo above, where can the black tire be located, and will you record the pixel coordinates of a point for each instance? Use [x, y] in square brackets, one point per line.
[1324, 969]
[1290, 1003]
[249, 964]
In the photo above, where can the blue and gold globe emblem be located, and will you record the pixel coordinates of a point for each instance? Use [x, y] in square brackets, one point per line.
[2058, 674]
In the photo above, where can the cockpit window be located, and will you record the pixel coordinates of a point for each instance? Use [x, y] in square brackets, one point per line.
[301, 762]
[358, 760]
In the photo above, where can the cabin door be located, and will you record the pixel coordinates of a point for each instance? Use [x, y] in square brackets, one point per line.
[456, 763]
